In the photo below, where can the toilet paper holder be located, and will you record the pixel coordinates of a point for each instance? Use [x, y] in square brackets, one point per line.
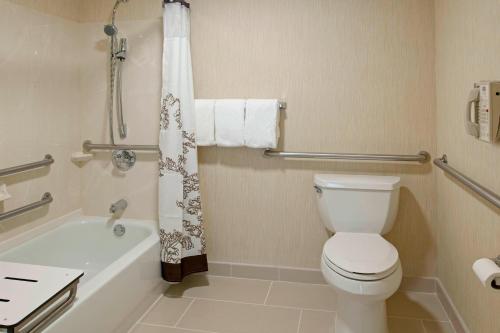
[494, 283]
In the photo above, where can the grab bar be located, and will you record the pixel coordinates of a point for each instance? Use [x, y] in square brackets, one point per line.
[88, 146]
[482, 191]
[47, 319]
[46, 199]
[421, 157]
[48, 160]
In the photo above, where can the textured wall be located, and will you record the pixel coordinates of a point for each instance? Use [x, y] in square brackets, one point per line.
[469, 228]
[39, 111]
[69, 9]
[358, 77]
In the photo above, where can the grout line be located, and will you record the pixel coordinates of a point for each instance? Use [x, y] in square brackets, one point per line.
[300, 320]
[268, 292]
[133, 328]
[423, 326]
[148, 310]
[180, 328]
[267, 305]
[416, 318]
[184, 313]
[268, 280]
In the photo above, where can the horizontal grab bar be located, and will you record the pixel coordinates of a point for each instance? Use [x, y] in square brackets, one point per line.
[421, 157]
[46, 199]
[485, 193]
[48, 160]
[88, 146]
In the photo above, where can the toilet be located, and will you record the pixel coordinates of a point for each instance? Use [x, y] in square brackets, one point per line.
[362, 267]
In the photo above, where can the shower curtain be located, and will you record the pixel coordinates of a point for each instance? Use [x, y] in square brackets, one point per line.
[183, 245]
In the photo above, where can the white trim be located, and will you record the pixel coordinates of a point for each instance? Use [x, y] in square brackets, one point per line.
[455, 313]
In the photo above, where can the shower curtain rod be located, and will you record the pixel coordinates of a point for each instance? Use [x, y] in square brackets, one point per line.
[182, 2]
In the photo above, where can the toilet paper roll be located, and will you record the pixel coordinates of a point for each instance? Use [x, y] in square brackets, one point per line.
[487, 272]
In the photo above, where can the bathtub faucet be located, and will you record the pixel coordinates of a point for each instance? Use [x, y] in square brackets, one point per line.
[118, 207]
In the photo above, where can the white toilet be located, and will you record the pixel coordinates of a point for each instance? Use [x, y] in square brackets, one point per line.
[357, 261]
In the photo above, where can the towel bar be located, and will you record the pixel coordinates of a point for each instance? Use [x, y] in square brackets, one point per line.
[48, 160]
[482, 191]
[422, 157]
[46, 199]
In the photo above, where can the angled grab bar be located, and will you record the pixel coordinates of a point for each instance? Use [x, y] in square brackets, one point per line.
[422, 157]
[482, 191]
[48, 160]
[46, 199]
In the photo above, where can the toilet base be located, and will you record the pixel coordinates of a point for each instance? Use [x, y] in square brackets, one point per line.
[358, 316]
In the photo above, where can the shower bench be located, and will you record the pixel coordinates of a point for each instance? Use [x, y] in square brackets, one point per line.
[31, 296]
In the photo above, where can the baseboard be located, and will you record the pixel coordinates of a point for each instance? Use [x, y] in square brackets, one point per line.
[303, 275]
[455, 318]
[263, 272]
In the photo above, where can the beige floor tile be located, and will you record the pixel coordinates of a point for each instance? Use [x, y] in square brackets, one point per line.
[159, 329]
[317, 322]
[404, 325]
[167, 311]
[416, 305]
[229, 317]
[438, 327]
[302, 295]
[222, 288]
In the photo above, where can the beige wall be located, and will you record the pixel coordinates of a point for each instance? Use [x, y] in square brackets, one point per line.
[467, 51]
[39, 111]
[358, 77]
[69, 9]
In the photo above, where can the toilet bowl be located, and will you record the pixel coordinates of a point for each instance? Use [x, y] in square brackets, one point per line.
[362, 267]
[364, 271]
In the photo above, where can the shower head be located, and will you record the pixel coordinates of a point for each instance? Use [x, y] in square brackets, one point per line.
[110, 30]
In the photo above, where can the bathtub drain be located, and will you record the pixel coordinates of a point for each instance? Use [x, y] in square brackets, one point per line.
[119, 230]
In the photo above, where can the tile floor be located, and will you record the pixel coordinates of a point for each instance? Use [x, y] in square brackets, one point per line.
[214, 304]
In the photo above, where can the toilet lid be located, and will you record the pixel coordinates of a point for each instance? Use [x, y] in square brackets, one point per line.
[361, 253]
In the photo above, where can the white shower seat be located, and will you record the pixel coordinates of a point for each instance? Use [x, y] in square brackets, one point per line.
[29, 294]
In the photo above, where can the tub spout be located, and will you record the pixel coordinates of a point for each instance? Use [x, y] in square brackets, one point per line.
[118, 207]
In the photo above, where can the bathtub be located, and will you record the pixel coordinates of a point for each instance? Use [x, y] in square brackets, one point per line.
[122, 274]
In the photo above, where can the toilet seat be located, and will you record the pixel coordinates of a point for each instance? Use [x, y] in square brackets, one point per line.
[360, 256]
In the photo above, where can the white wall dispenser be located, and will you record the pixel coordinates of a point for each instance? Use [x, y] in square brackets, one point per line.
[482, 114]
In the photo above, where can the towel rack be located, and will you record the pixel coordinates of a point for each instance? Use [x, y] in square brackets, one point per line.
[482, 191]
[48, 160]
[46, 199]
[422, 157]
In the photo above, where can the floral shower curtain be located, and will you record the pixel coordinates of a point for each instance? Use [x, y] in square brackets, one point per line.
[183, 246]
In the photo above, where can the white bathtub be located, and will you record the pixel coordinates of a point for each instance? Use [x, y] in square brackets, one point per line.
[122, 274]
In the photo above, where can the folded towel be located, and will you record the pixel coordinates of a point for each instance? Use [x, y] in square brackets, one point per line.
[4, 195]
[262, 123]
[229, 122]
[205, 122]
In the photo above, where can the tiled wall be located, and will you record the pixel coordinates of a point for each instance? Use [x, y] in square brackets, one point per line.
[39, 111]
[357, 77]
[467, 51]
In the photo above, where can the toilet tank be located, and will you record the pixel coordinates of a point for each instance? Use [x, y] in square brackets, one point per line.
[357, 203]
